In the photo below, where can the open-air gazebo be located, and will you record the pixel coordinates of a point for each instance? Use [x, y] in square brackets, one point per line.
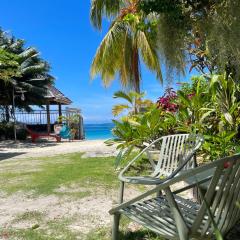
[44, 118]
[55, 97]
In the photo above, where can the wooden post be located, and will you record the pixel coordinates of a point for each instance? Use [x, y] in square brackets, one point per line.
[48, 119]
[60, 112]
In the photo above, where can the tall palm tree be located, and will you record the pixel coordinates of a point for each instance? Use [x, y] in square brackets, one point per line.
[127, 43]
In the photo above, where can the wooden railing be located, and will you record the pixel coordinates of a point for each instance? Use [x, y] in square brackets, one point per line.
[37, 117]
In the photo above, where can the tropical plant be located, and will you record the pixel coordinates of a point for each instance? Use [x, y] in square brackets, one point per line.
[71, 120]
[130, 40]
[130, 133]
[33, 74]
[135, 103]
[220, 145]
[206, 106]
[194, 106]
[195, 26]
[224, 94]
[104, 8]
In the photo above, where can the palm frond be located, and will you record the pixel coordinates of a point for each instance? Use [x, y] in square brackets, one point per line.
[106, 62]
[103, 8]
[149, 53]
[35, 68]
[29, 52]
[118, 109]
[126, 68]
[123, 95]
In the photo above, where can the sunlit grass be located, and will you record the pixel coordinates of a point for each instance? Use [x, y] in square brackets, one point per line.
[59, 171]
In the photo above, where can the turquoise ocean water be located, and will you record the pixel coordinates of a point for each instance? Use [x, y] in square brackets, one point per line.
[98, 131]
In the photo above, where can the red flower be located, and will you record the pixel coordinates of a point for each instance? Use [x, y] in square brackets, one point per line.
[166, 102]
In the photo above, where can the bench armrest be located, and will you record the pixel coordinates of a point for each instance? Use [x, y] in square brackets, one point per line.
[121, 174]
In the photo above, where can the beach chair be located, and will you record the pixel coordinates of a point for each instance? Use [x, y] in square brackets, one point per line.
[66, 133]
[176, 153]
[174, 217]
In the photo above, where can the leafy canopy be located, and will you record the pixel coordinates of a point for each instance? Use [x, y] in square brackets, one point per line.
[207, 30]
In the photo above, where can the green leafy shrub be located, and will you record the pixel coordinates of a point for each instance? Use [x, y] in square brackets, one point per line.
[208, 106]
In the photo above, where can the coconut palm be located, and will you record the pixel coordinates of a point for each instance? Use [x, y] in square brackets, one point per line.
[128, 43]
[33, 78]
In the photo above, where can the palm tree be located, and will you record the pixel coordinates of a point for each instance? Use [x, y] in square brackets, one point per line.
[128, 42]
[33, 74]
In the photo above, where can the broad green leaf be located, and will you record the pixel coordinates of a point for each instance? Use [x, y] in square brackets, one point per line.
[228, 117]
[205, 115]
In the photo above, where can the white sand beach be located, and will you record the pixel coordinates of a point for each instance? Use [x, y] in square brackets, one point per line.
[19, 149]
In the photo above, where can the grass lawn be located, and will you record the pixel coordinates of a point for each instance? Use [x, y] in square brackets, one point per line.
[45, 198]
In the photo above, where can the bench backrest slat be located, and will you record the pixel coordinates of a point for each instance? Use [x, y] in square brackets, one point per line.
[221, 198]
[174, 150]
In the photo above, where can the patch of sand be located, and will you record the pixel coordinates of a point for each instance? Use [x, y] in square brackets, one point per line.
[87, 213]
[20, 150]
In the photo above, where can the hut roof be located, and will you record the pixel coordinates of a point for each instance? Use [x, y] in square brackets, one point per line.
[54, 96]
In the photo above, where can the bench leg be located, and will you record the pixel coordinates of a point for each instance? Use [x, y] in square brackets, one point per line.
[115, 230]
[116, 217]
[121, 193]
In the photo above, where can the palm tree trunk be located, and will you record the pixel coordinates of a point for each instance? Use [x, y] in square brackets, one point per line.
[136, 73]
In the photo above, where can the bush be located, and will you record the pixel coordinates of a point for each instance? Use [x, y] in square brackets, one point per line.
[209, 106]
[7, 131]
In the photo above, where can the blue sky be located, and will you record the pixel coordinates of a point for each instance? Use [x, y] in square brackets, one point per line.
[62, 32]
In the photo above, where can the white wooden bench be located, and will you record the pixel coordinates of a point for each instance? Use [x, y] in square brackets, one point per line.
[176, 153]
[174, 217]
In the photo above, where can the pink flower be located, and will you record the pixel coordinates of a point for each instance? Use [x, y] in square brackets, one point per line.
[166, 102]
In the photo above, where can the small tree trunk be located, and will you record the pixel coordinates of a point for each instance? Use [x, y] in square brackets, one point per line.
[7, 114]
